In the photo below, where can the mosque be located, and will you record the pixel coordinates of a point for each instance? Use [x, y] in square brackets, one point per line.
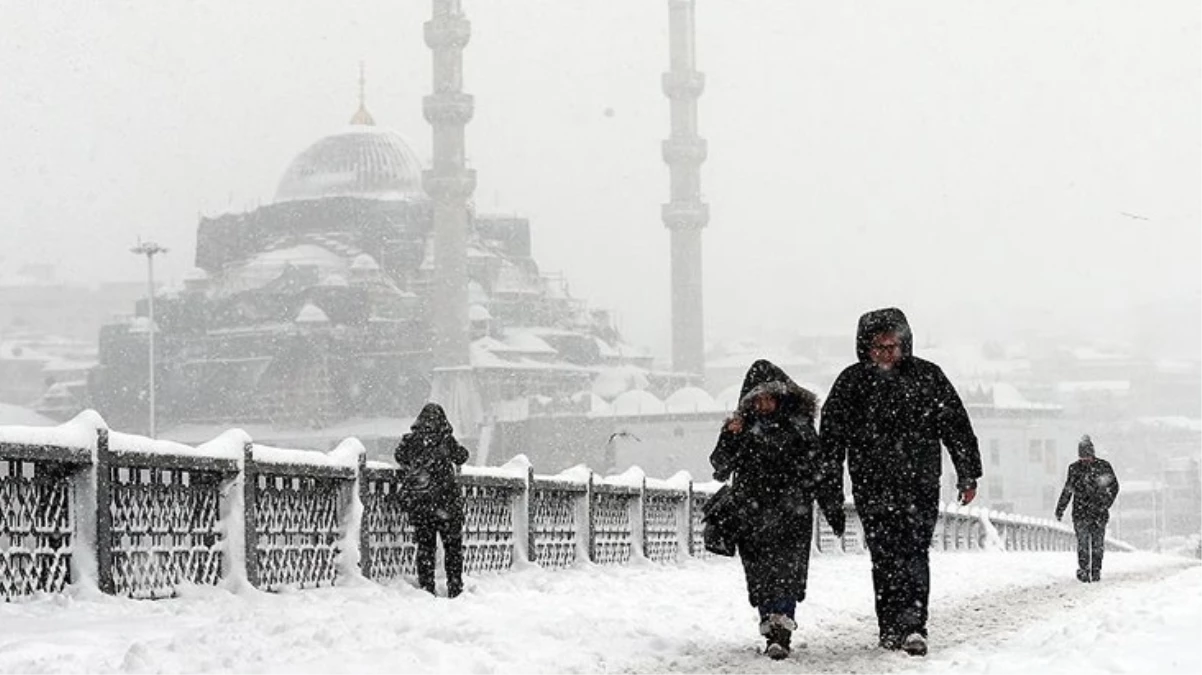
[370, 284]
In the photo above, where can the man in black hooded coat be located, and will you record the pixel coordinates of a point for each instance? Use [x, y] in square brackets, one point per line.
[1092, 486]
[888, 414]
[426, 459]
[771, 449]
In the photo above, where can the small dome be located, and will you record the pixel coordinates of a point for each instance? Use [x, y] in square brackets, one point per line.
[364, 262]
[690, 399]
[361, 161]
[728, 398]
[311, 313]
[638, 402]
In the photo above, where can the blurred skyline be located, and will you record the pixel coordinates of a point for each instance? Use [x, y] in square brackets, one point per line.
[999, 170]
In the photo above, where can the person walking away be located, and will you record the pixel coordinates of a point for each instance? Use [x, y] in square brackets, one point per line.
[1092, 486]
[887, 414]
[769, 448]
[427, 459]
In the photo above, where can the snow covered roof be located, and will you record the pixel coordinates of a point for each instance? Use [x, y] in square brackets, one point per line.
[1007, 397]
[611, 381]
[11, 415]
[527, 343]
[1113, 386]
[1173, 421]
[478, 313]
[605, 349]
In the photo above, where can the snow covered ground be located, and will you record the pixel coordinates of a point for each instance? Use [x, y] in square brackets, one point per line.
[991, 612]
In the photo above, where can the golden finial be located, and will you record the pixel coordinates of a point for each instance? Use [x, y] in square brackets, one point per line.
[362, 117]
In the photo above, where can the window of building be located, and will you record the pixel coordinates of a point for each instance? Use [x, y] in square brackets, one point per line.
[1049, 498]
[1035, 451]
[1050, 461]
[995, 488]
[995, 452]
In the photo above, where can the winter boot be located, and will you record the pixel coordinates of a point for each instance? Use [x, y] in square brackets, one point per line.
[1096, 576]
[1083, 576]
[914, 645]
[778, 629]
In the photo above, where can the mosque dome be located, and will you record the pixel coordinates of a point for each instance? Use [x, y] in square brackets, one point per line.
[362, 160]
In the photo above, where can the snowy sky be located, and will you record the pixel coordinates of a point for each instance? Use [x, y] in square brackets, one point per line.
[989, 166]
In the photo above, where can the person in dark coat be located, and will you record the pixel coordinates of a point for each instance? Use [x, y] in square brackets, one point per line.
[1092, 486]
[427, 458]
[887, 414]
[770, 447]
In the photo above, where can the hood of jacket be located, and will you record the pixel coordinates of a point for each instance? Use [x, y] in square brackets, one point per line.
[432, 421]
[887, 320]
[765, 377]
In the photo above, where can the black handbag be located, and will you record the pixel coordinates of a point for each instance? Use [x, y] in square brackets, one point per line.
[721, 522]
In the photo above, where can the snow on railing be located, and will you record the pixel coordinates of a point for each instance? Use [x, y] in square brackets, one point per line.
[144, 518]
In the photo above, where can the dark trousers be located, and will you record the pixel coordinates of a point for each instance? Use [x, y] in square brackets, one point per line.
[898, 542]
[786, 606]
[450, 529]
[1091, 544]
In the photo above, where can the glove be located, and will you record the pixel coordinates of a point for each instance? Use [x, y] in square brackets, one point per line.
[968, 490]
[1059, 515]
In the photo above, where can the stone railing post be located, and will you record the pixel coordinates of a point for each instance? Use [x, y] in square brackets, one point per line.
[584, 523]
[688, 519]
[104, 513]
[364, 540]
[638, 522]
[250, 481]
[527, 516]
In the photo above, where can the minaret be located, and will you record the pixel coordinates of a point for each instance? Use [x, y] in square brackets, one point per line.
[685, 214]
[448, 182]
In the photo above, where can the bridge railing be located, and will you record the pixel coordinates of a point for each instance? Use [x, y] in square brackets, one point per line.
[142, 518]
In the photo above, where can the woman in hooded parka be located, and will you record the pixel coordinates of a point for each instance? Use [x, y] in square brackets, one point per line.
[426, 459]
[770, 447]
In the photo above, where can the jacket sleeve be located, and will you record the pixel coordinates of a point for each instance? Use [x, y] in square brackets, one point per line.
[955, 429]
[455, 451]
[403, 453]
[835, 427]
[1066, 494]
[1113, 488]
[725, 456]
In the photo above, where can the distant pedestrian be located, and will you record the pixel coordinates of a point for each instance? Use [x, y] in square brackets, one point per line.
[426, 459]
[888, 414]
[1092, 486]
[770, 447]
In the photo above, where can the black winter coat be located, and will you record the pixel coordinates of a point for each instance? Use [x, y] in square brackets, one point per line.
[1092, 486]
[426, 459]
[889, 425]
[778, 472]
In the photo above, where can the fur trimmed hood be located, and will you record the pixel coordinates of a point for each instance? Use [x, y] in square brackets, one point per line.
[765, 377]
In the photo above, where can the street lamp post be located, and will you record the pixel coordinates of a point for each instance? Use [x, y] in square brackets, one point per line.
[149, 249]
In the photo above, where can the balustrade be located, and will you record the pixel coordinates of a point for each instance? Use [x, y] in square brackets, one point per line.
[159, 516]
